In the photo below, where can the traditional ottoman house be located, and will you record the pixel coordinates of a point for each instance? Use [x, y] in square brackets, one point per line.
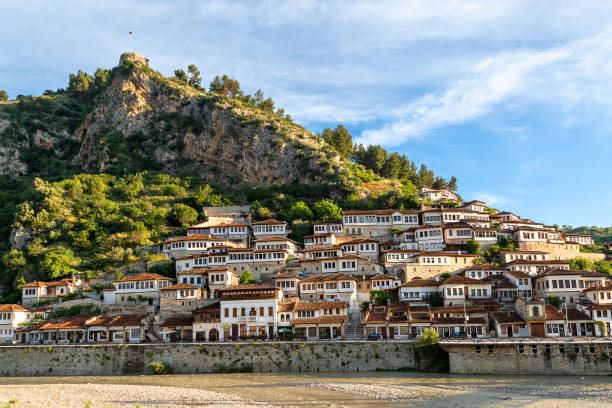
[453, 321]
[580, 239]
[180, 298]
[533, 313]
[143, 288]
[534, 268]
[178, 247]
[392, 321]
[392, 257]
[457, 233]
[362, 247]
[330, 287]
[128, 328]
[418, 291]
[97, 329]
[269, 228]
[261, 263]
[380, 282]
[321, 252]
[507, 323]
[458, 290]
[196, 277]
[567, 322]
[207, 323]
[320, 320]
[319, 240]
[250, 311]
[11, 318]
[328, 227]
[35, 292]
[429, 238]
[522, 281]
[482, 271]
[220, 277]
[566, 284]
[288, 282]
[435, 195]
[432, 263]
[503, 290]
[285, 244]
[346, 264]
[599, 307]
[523, 255]
[234, 232]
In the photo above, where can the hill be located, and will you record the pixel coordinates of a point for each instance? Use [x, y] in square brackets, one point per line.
[92, 174]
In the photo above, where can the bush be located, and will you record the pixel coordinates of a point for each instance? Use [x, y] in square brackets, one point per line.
[183, 214]
[160, 368]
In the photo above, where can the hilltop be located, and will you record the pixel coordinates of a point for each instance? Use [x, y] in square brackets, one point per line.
[99, 168]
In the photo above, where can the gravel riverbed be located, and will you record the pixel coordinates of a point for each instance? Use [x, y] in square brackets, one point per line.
[118, 396]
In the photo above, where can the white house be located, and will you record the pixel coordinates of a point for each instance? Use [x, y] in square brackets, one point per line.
[437, 194]
[249, 311]
[269, 228]
[37, 291]
[328, 227]
[363, 247]
[11, 316]
[140, 289]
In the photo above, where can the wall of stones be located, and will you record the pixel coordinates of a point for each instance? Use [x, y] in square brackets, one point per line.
[561, 251]
[511, 359]
[205, 358]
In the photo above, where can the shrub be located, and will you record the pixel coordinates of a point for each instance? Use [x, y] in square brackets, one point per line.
[159, 368]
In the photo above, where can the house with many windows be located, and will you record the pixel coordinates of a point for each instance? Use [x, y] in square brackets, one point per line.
[11, 317]
[143, 288]
[270, 228]
[37, 291]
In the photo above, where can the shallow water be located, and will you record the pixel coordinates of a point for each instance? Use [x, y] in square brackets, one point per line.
[273, 388]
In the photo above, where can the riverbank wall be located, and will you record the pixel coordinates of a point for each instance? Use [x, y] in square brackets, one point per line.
[575, 357]
[189, 358]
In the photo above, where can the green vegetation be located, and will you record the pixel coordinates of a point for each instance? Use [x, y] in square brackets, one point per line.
[473, 247]
[555, 301]
[380, 297]
[246, 278]
[3, 95]
[582, 264]
[159, 368]
[599, 234]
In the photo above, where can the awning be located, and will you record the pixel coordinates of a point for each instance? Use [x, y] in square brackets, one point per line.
[168, 331]
[284, 330]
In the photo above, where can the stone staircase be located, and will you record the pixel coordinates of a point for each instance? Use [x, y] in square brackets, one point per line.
[352, 327]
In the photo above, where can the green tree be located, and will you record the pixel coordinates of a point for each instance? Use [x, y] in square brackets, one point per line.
[425, 177]
[580, 264]
[379, 297]
[473, 247]
[227, 86]
[184, 214]
[436, 299]
[327, 210]
[57, 263]
[439, 182]
[299, 229]
[195, 80]
[21, 280]
[101, 77]
[603, 267]
[14, 260]
[376, 157]
[181, 75]
[300, 211]
[445, 275]
[555, 301]
[81, 82]
[392, 167]
[429, 337]
[3, 95]
[452, 184]
[246, 278]
[340, 139]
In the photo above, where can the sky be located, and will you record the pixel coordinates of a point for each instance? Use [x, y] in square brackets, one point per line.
[512, 97]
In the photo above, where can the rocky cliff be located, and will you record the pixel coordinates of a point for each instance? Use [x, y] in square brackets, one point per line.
[143, 121]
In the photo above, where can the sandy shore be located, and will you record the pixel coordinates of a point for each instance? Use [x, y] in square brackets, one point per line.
[118, 396]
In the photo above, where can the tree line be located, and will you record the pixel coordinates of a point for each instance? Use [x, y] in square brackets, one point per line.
[383, 163]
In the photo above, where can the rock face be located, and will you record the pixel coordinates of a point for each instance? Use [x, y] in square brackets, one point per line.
[20, 238]
[210, 135]
[141, 120]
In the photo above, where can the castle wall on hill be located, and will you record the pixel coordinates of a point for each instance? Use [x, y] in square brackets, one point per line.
[205, 358]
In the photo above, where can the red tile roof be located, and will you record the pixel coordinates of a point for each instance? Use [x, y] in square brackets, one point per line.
[143, 277]
[179, 286]
[13, 308]
[334, 319]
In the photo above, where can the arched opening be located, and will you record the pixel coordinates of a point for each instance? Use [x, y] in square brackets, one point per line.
[213, 335]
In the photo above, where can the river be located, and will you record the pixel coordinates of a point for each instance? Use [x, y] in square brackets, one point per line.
[354, 390]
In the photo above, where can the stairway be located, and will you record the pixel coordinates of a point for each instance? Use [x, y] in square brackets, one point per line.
[352, 327]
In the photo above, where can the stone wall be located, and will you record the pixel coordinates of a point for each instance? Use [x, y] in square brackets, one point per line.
[561, 251]
[531, 358]
[205, 358]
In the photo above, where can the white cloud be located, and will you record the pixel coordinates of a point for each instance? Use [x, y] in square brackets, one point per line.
[577, 72]
[490, 199]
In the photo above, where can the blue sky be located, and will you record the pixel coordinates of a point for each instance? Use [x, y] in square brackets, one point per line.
[513, 97]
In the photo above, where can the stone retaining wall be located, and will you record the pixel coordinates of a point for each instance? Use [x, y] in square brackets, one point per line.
[205, 358]
[530, 358]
